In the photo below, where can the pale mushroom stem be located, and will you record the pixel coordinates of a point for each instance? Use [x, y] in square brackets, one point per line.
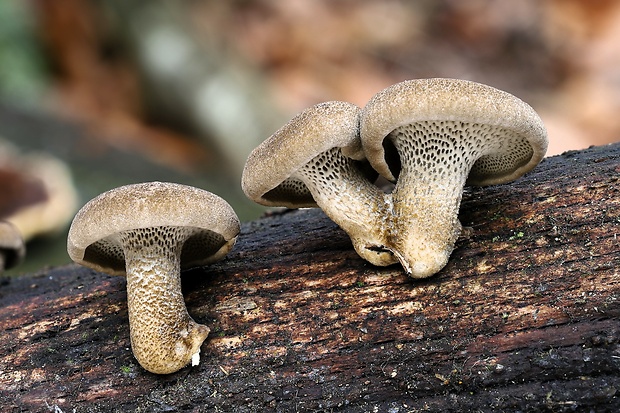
[426, 200]
[350, 200]
[164, 338]
[428, 225]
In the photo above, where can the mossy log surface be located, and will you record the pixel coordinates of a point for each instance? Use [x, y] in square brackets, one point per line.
[525, 317]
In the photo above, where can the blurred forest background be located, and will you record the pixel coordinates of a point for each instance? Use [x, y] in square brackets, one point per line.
[127, 91]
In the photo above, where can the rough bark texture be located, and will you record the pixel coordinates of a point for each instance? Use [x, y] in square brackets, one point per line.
[525, 317]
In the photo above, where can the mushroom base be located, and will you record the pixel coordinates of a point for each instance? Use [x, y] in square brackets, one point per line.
[425, 231]
[164, 338]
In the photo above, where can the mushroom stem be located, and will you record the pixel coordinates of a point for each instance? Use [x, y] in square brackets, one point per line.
[164, 338]
[428, 226]
[426, 201]
[350, 200]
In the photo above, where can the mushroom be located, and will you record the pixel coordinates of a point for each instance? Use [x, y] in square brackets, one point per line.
[433, 136]
[149, 232]
[38, 194]
[316, 160]
[12, 248]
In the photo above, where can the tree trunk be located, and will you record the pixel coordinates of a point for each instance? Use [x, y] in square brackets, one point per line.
[525, 317]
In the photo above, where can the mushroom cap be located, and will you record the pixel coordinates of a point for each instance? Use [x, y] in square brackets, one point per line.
[11, 245]
[267, 173]
[440, 99]
[94, 241]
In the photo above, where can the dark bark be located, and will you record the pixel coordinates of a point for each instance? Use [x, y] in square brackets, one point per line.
[525, 317]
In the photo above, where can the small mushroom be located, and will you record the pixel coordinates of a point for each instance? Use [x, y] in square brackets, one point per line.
[149, 232]
[433, 136]
[316, 160]
[12, 248]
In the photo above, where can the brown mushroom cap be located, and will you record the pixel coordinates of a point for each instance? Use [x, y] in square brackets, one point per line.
[267, 173]
[12, 248]
[93, 239]
[518, 136]
[38, 195]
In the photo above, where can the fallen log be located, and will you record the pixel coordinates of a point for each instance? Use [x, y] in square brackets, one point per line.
[525, 317]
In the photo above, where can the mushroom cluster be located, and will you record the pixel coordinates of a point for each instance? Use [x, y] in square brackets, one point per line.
[429, 136]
